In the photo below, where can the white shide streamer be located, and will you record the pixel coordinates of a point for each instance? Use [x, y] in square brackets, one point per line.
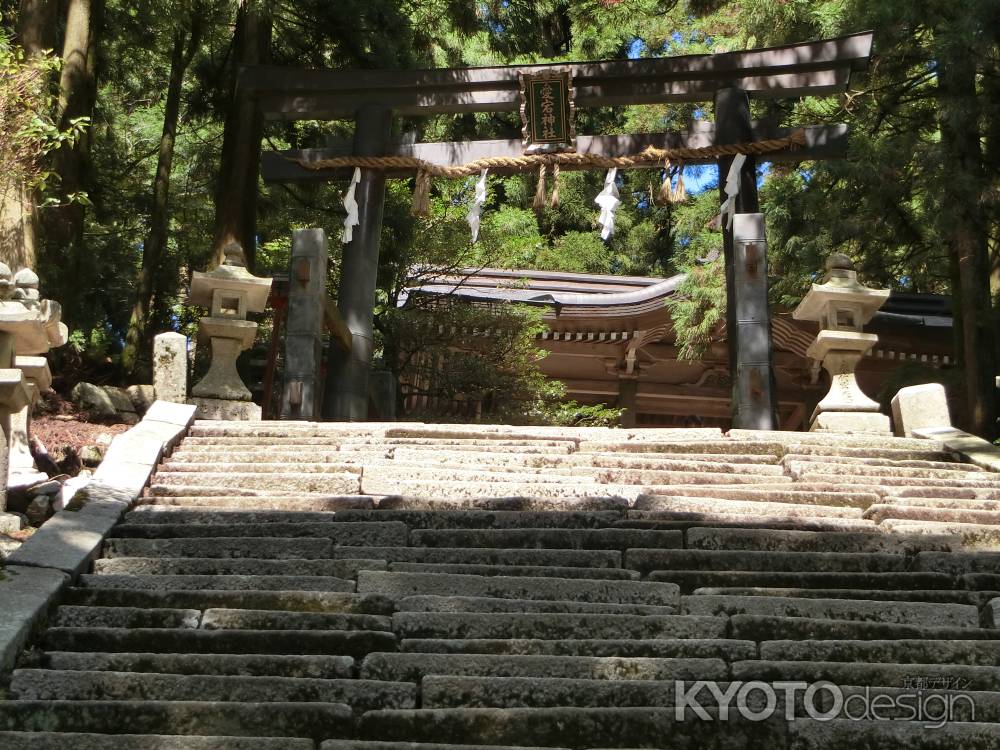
[728, 209]
[476, 209]
[608, 200]
[351, 206]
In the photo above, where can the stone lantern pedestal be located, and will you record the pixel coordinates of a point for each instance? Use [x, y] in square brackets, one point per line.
[841, 305]
[229, 292]
[29, 327]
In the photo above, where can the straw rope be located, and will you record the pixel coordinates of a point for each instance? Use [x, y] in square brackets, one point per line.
[650, 155]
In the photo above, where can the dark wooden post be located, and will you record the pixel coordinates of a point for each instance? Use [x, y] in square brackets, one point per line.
[347, 376]
[750, 357]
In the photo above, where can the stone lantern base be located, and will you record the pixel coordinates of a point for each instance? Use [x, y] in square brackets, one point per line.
[225, 409]
[869, 423]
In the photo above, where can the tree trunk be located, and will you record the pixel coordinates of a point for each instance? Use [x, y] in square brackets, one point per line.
[36, 26]
[966, 228]
[236, 196]
[137, 339]
[36, 31]
[76, 84]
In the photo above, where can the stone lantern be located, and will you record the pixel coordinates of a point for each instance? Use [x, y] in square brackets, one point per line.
[229, 292]
[29, 327]
[842, 305]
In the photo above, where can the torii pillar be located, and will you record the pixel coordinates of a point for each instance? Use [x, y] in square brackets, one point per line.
[748, 322]
[346, 392]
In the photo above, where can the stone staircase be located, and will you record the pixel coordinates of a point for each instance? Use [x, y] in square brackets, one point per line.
[414, 587]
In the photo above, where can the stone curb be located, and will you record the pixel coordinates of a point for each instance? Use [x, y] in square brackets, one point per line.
[65, 546]
[970, 448]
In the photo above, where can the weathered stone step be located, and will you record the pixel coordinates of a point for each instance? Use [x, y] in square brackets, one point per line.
[887, 596]
[264, 467]
[823, 495]
[216, 503]
[369, 534]
[583, 558]
[667, 519]
[317, 720]
[495, 431]
[512, 587]
[935, 614]
[491, 501]
[716, 447]
[805, 734]
[252, 490]
[645, 560]
[723, 462]
[233, 566]
[91, 741]
[619, 538]
[812, 541]
[294, 444]
[486, 519]
[958, 503]
[698, 477]
[300, 601]
[983, 583]
[541, 692]
[572, 727]
[984, 481]
[973, 653]
[553, 626]
[860, 673]
[882, 512]
[217, 582]
[687, 648]
[434, 603]
[558, 493]
[410, 667]
[335, 483]
[283, 548]
[810, 468]
[973, 535]
[833, 441]
[174, 641]
[772, 628]
[748, 507]
[165, 514]
[524, 571]
[205, 454]
[72, 616]
[942, 462]
[368, 745]
[317, 666]
[361, 695]
[957, 563]
[267, 619]
[689, 580]
[886, 453]
[954, 492]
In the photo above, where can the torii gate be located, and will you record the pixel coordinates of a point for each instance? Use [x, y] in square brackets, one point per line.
[372, 97]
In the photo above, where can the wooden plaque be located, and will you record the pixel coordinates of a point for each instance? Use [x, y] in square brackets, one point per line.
[547, 112]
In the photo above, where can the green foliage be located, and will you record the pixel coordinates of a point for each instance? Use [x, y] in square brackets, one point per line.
[29, 132]
[474, 360]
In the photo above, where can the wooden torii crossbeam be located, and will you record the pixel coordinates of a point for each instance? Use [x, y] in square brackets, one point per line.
[372, 97]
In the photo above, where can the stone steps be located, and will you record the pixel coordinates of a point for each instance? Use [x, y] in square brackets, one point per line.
[91, 741]
[450, 587]
[202, 718]
[313, 666]
[177, 641]
[513, 587]
[296, 504]
[359, 694]
[693, 648]
[498, 626]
